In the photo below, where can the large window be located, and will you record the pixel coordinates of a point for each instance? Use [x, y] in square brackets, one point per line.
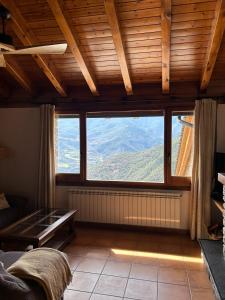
[125, 148]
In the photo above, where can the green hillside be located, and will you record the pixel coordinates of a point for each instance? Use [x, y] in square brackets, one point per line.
[142, 166]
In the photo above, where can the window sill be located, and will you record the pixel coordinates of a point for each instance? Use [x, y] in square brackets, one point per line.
[66, 181]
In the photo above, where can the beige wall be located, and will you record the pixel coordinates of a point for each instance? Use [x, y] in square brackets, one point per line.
[19, 131]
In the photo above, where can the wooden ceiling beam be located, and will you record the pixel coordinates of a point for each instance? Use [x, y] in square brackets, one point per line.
[26, 36]
[110, 9]
[72, 42]
[166, 37]
[214, 44]
[17, 72]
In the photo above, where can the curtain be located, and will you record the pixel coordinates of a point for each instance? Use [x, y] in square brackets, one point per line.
[46, 182]
[202, 174]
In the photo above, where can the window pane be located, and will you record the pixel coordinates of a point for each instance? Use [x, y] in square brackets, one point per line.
[125, 149]
[67, 144]
[182, 143]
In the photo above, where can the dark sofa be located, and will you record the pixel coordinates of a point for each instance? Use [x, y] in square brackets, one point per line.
[8, 216]
[14, 212]
[30, 289]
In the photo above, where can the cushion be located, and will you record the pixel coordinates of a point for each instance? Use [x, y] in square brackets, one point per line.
[3, 202]
[12, 287]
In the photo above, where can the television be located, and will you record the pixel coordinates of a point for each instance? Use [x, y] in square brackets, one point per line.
[219, 167]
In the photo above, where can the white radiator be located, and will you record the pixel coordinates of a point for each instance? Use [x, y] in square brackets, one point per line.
[143, 208]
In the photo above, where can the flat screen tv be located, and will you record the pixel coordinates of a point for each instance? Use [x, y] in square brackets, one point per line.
[219, 167]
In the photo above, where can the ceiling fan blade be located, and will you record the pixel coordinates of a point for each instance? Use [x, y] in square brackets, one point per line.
[48, 49]
[7, 47]
[2, 61]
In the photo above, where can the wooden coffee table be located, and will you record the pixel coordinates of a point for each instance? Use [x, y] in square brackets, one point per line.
[45, 227]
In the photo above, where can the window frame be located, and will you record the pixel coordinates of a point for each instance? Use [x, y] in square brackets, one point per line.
[177, 179]
[170, 182]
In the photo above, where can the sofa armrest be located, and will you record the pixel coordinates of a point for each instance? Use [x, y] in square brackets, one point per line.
[16, 201]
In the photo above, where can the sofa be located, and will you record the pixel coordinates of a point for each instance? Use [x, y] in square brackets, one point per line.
[16, 210]
[29, 290]
[15, 288]
[12, 287]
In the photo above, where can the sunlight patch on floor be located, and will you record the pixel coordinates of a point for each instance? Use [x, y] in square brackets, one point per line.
[157, 255]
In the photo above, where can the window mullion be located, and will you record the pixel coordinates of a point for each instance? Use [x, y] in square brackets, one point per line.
[83, 147]
[167, 147]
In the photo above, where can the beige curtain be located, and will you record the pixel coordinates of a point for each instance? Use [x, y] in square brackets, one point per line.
[202, 174]
[46, 182]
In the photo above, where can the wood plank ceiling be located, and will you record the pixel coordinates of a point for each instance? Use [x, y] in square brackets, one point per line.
[151, 41]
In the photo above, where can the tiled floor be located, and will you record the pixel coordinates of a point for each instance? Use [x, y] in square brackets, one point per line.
[113, 265]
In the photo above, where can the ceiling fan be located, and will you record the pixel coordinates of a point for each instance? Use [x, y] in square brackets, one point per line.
[7, 47]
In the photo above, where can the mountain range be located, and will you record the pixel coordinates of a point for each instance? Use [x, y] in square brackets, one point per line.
[118, 148]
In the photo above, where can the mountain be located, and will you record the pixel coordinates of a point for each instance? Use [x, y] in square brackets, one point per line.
[112, 135]
[122, 149]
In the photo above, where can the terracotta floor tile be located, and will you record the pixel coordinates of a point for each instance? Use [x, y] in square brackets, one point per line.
[172, 239]
[126, 235]
[125, 244]
[71, 295]
[91, 265]
[84, 282]
[74, 261]
[148, 246]
[104, 297]
[84, 240]
[76, 250]
[173, 276]
[93, 246]
[104, 242]
[149, 237]
[173, 292]
[199, 279]
[187, 243]
[141, 290]
[173, 249]
[145, 260]
[146, 272]
[111, 285]
[98, 252]
[176, 261]
[104, 233]
[192, 252]
[200, 294]
[197, 266]
[121, 258]
[115, 268]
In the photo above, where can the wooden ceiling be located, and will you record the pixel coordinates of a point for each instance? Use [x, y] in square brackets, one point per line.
[116, 42]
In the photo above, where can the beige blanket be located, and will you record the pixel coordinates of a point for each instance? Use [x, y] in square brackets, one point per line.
[46, 266]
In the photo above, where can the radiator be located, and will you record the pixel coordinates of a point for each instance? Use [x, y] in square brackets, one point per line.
[142, 208]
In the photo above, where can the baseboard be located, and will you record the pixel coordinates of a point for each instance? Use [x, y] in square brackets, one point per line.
[132, 227]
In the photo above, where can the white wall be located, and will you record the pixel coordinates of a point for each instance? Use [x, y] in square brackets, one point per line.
[19, 132]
